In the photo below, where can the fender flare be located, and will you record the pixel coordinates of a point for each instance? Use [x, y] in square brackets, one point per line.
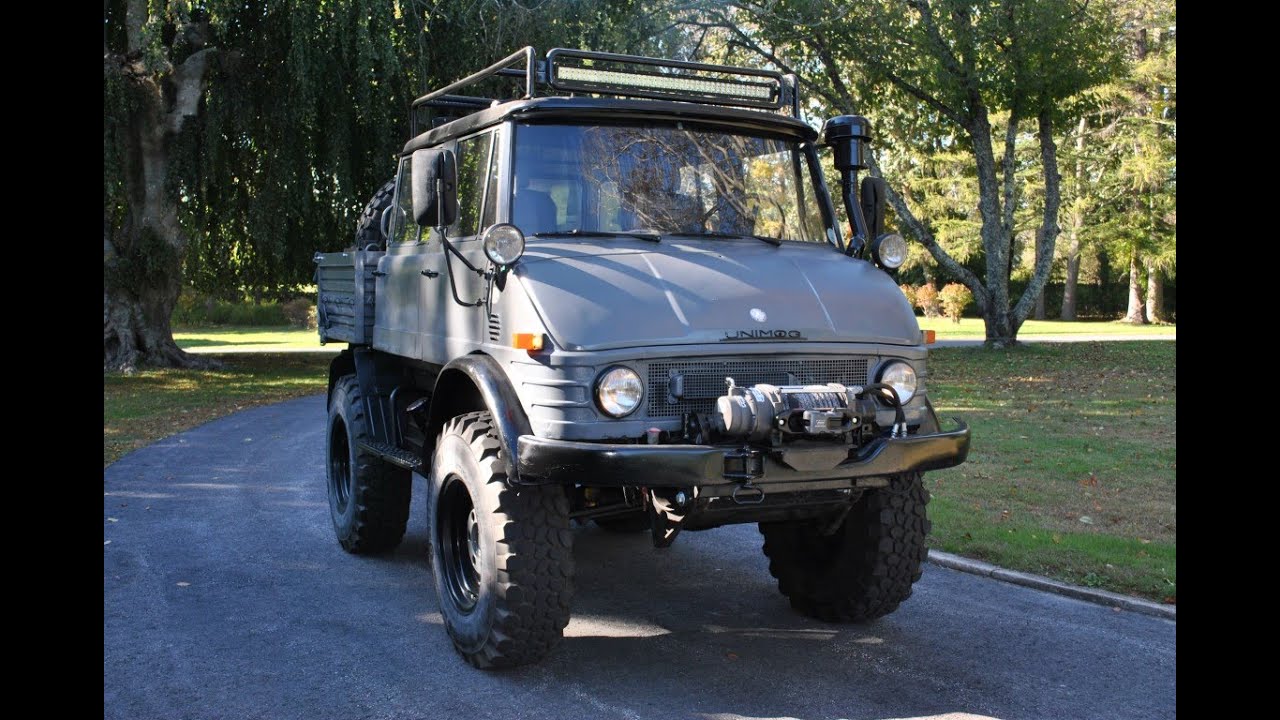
[477, 382]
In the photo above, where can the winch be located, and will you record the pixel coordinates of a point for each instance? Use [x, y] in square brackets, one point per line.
[766, 412]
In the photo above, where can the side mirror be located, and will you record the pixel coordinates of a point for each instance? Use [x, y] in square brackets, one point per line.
[873, 205]
[435, 187]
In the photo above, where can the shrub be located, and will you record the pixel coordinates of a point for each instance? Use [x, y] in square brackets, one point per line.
[195, 309]
[910, 292]
[955, 297]
[190, 308]
[927, 300]
[300, 312]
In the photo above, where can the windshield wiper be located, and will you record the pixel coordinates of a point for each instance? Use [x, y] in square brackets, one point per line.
[763, 238]
[579, 232]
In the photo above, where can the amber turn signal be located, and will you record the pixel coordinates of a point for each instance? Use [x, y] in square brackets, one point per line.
[527, 341]
[930, 337]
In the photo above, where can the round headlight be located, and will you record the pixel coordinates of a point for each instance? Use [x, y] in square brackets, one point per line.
[901, 377]
[503, 243]
[619, 390]
[889, 251]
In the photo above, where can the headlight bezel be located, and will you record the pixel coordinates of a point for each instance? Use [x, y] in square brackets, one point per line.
[882, 376]
[604, 404]
[889, 241]
[490, 243]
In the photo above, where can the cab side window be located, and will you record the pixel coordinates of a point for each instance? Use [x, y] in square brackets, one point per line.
[473, 177]
[403, 228]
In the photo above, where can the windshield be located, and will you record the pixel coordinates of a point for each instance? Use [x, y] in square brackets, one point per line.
[662, 180]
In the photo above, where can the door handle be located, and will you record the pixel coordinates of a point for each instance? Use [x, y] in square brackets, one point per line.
[431, 273]
[379, 273]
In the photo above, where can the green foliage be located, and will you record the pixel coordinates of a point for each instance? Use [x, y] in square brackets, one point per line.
[305, 109]
[197, 309]
[955, 298]
[1131, 156]
[947, 84]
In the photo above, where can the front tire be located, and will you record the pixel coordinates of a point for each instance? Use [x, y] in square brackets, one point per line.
[864, 569]
[502, 557]
[368, 498]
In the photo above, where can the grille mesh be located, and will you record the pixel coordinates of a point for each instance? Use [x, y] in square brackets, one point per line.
[704, 379]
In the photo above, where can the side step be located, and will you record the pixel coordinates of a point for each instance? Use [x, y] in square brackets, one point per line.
[393, 455]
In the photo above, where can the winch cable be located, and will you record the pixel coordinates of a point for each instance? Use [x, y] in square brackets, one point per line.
[889, 393]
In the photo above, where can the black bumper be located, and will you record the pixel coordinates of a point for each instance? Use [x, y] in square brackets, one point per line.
[612, 465]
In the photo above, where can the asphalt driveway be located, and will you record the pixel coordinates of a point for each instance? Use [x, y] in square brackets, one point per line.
[226, 596]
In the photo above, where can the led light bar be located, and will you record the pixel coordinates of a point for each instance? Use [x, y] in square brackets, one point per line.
[633, 76]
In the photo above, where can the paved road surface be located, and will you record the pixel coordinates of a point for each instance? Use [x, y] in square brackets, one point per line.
[226, 596]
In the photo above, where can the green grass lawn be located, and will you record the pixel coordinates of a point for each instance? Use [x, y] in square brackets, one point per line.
[1073, 468]
[250, 339]
[153, 404]
[973, 328]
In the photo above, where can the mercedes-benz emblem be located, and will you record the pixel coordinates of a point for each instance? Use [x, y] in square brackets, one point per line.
[758, 315]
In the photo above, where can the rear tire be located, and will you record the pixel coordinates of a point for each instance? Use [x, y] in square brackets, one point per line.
[863, 570]
[368, 498]
[502, 557]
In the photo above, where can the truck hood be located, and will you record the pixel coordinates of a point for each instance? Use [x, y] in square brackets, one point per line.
[635, 293]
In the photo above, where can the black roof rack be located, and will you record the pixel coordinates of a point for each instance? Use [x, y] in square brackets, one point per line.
[568, 72]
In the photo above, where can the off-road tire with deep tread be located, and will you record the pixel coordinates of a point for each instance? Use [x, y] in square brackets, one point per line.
[368, 498]
[523, 563]
[863, 570]
[369, 224]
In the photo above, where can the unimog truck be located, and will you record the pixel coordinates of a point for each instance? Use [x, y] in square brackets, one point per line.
[622, 296]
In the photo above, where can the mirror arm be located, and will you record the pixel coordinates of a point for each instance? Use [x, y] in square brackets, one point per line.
[448, 266]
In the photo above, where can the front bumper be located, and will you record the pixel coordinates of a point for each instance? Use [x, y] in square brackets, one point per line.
[684, 466]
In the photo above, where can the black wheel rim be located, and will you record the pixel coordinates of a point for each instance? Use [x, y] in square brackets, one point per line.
[459, 543]
[339, 465]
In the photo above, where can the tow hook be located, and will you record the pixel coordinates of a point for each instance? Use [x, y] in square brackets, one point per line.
[753, 495]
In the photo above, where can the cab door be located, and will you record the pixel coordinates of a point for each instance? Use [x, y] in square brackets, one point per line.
[397, 325]
[453, 326]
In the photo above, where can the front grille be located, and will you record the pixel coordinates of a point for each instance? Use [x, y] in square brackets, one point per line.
[704, 379]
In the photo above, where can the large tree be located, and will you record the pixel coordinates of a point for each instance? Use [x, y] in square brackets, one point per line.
[237, 135]
[155, 62]
[938, 73]
[241, 137]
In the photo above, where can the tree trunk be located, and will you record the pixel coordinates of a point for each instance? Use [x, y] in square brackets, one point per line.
[143, 246]
[1135, 314]
[995, 241]
[1155, 294]
[1071, 283]
[1072, 280]
[1104, 282]
[1039, 311]
[1047, 236]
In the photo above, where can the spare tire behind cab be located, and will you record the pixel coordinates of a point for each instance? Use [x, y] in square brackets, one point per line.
[369, 224]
